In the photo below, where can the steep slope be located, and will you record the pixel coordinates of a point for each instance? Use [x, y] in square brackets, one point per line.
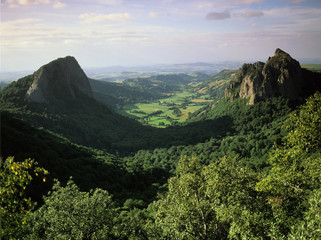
[113, 94]
[90, 168]
[58, 79]
[86, 121]
[281, 75]
[57, 97]
[215, 86]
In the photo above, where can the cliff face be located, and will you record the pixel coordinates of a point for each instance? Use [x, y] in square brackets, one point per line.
[281, 75]
[58, 79]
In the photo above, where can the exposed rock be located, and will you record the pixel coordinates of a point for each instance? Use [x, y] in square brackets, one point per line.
[281, 75]
[251, 81]
[58, 79]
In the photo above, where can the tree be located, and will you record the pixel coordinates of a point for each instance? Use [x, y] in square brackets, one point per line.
[239, 208]
[68, 213]
[305, 127]
[296, 167]
[310, 227]
[15, 205]
[185, 211]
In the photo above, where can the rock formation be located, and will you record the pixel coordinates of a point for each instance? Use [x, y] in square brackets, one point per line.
[59, 79]
[281, 75]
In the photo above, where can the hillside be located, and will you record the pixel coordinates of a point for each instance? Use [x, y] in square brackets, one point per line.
[86, 121]
[237, 170]
[215, 86]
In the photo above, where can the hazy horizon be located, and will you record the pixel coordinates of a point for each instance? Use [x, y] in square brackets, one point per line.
[106, 33]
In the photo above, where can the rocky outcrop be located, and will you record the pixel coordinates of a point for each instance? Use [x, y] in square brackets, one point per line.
[281, 75]
[59, 79]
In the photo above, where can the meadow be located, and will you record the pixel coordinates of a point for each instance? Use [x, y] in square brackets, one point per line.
[312, 67]
[166, 111]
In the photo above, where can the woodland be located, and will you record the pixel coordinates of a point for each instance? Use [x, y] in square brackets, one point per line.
[86, 168]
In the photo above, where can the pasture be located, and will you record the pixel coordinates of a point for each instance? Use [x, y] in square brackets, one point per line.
[166, 111]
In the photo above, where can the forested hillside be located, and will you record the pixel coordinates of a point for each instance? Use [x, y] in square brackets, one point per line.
[231, 171]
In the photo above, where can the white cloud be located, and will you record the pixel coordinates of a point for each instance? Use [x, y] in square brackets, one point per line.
[19, 3]
[26, 2]
[89, 18]
[58, 5]
[155, 14]
[71, 41]
[158, 15]
[8, 24]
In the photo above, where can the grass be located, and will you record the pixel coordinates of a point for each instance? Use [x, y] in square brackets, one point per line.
[312, 67]
[142, 111]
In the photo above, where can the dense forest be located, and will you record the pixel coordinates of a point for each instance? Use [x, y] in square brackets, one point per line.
[76, 169]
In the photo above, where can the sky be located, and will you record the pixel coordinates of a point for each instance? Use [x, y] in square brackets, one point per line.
[102, 33]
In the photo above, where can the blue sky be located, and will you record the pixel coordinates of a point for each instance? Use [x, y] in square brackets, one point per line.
[144, 32]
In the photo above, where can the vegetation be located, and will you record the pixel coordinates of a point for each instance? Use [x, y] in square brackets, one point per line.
[15, 206]
[220, 200]
[230, 172]
[312, 67]
[138, 98]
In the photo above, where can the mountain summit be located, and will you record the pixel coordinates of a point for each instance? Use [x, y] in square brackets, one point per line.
[59, 79]
[281, 75]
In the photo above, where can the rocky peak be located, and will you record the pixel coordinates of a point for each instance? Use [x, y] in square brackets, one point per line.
[281, 75]
[59, 79]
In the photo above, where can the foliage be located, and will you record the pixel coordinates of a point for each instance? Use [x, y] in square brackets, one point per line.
[236, 188]
[310, 226]
[68, 213]
[295, 165]
[217, 201]
[185, 211]
[305, 127]
[15, 205]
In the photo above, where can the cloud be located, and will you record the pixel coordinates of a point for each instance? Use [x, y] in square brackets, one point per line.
[58, 5]
[110, 2]
[247, 1]
[155, 14]
[255, 25]
[158, 15]
[18, 3]
[89, 18]
[297, 1]
[218, 15]
[253, 14]
[20, 21]
[26, 2]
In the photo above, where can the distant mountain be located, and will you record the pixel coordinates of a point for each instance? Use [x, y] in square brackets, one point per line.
[122, 73]
[142, 89]
[281, 75]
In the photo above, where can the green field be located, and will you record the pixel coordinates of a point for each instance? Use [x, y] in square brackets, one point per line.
[312, 67]
[161, 113]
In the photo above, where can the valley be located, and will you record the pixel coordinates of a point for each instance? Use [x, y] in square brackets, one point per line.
[228, 154]
[166, 111]
[163, 100]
